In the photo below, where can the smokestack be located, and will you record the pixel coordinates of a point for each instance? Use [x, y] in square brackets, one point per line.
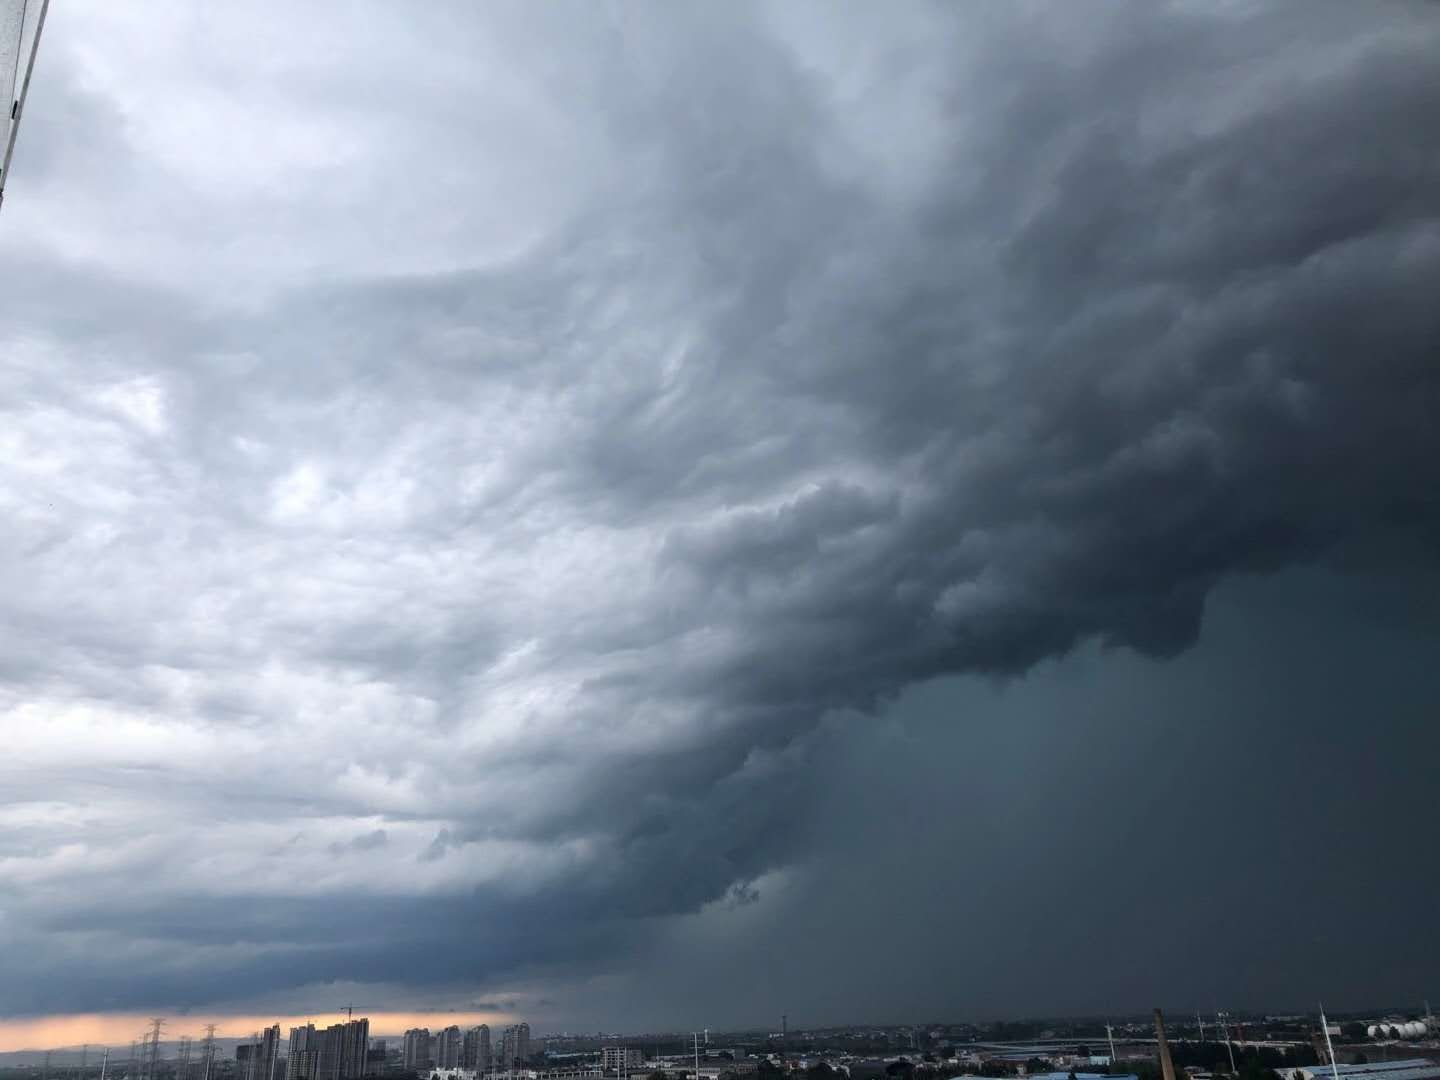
[1166, 1065]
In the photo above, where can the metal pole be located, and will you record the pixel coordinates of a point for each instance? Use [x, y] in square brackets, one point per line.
[18, 106]
[105, 1061]
[1229, 1046]
[1167, 1067]
[1325, 1027]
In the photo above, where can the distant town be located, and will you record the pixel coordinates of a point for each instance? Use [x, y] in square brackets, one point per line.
[1388, 1045]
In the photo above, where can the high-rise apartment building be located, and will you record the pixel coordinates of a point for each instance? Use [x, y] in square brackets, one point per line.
[354, 1049]
[267, 1055]
[514, 1046]
[339, 1052]
[449, 1044]
[258, 1058]
[301, 1057]
[416, 1054]
[476, 1051]
[327, 1058]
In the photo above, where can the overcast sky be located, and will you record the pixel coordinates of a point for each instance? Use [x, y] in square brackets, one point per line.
[649, 514]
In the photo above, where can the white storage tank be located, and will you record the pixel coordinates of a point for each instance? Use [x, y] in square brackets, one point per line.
[1373, 1031]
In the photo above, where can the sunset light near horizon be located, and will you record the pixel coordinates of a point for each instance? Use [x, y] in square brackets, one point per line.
[99, 1030]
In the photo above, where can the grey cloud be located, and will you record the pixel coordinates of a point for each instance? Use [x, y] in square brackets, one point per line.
[364, 842]
[558, 560]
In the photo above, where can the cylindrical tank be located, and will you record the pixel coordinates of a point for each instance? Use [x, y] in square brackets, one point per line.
[1414, 1029]
[1387, 1031]
[1373, 1031]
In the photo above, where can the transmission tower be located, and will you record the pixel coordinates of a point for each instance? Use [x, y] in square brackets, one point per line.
[156, 1023]
[209, 1049]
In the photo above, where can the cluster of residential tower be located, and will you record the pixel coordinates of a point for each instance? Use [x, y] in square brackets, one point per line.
[470, 1048]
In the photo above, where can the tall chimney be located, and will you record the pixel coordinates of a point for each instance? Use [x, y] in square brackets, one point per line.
[1166, 1065]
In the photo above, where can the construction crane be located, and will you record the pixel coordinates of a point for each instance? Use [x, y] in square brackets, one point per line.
[21, 23]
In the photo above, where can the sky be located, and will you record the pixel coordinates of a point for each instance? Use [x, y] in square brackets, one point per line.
[636, 515]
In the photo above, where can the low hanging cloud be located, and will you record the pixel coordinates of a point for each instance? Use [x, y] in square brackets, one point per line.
[435, 533]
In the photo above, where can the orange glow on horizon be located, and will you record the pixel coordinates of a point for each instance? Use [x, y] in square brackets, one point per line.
[118, 1030]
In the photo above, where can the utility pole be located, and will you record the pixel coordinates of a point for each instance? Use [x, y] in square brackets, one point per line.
[1110, 1034]
[104, 1062]
[1200, 1024]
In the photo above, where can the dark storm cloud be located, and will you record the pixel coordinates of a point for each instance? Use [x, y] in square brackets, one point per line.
[501, 594]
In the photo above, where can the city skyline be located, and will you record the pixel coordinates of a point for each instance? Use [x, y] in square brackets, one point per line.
[381, 1025]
